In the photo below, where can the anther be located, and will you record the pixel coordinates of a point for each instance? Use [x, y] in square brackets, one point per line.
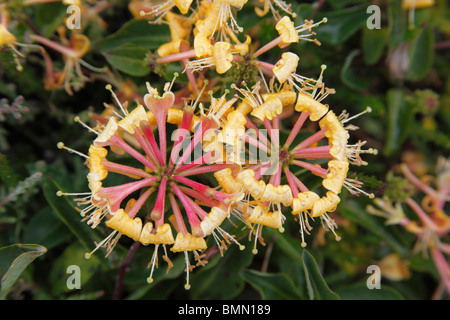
[78, 120]
[109, 88]
[61, 145]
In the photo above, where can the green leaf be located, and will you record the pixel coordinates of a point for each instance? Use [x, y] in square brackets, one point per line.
[373, 43]
[220, 279]
[341, 24]
[129, 59]
[72, 255]
[348, 74]
[127, 48]
[360, 291]
[138, 33]
[71, 217]
[421, 54]
[272, 286]
[46, 229]
[49, 17]
[16, 258]
[317, 287]
[7, 175]
[399, 117]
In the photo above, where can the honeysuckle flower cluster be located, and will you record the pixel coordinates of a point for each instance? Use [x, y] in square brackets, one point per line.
[168, 202]
[72, 49]
[431, 224]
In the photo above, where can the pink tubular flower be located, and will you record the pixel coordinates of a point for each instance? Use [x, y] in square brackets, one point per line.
[432, 224]
[175, 175]
[271, 179]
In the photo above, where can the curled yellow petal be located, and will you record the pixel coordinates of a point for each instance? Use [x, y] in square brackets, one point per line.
[96, 156]
[285, 66]
[222, 56]
[121, 222]
[163, 234]
[213, 220]
[265, 218]
[286, 30]
[227, 182]
[133, 119]
[307, 103]
[336, 176]
[325, 204]
[304, 201]
[188, 242]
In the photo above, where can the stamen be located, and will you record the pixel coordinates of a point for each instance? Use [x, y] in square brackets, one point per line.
[59, 193]
[354, 187]
[227, 236]
[187, 286]
[175, 75]
[354, 151]
[331, 224]
[257, 234]
[153, 262]
[101, 244]
[343, 117]
[77, 119]
[109, 88]
[194, 105]
[61, 145]
[303, 228]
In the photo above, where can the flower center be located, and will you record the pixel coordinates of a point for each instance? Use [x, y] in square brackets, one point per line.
[167, 172]
[284, 156]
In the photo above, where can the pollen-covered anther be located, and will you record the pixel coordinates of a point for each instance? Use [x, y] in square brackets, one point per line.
[285, 66]
[188, 242]
[163, 234]
[121, 222]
